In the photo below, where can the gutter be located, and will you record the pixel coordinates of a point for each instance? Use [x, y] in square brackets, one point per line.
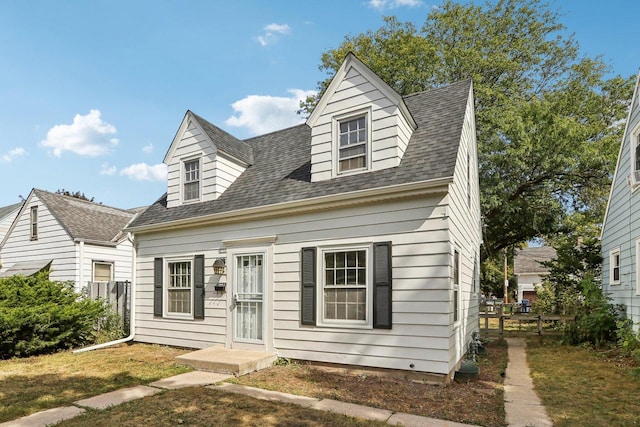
[132, 320]
[307, 205]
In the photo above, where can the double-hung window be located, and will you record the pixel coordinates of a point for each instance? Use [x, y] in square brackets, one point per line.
[102, 271]
[179, 287]
[33, 223]
[345, 286]
[614, 266]
[191, 183]
[636, 139]
[352, 145]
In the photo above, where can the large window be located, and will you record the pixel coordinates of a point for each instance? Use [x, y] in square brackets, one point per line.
[614, 266]
[102, 271]
[345, 285]
[179, 287]
[352, 149]
[33, 221]
[191, 180]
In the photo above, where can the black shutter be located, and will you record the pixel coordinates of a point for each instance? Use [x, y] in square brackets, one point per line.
[382, 285]
[308, 288]
[198, 285]
[158, 267]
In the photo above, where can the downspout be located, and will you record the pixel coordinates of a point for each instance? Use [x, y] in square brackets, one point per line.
[132, 320]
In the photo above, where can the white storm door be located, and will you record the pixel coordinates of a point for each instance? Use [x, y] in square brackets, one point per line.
[249, 298]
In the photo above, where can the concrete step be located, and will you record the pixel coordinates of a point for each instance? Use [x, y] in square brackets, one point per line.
[226, 360]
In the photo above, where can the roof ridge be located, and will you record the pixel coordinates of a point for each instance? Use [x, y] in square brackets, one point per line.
[438, 88]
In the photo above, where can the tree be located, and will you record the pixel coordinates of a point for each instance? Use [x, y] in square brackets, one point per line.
[548, 121]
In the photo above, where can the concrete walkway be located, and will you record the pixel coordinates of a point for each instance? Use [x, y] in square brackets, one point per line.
[215, 381]
[522, 405]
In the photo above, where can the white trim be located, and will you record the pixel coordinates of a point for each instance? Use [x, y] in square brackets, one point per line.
[250, 241]
[612, 254]
[165, 288]
[33, 209]
[111, 265]
[196, 157]
[320, 274]
[392, 192]
[456, 291]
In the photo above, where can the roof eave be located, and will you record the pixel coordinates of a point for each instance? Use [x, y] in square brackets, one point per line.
[432, 186]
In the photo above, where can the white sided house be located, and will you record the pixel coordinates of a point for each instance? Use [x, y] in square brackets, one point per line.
[352, 239]
[621, 227]
[7, 215]
[530, 271]
[76, 240]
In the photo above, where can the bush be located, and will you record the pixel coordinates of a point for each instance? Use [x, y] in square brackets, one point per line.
[40, 316]
[628, 339]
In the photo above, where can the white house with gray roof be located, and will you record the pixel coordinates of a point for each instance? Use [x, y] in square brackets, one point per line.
[530, 271]
[76, 240]
[352, 239]
[7, 215]
[621, 227]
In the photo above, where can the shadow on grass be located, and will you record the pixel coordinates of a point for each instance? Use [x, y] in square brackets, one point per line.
[22, 395]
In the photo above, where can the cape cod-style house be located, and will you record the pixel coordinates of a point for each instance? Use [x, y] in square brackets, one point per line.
[351, 239]
[621, 227]
[75, 240]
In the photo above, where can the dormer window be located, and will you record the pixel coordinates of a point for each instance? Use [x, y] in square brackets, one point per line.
[191, 184]
[352, 151]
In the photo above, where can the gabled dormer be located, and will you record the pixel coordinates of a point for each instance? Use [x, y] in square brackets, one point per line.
[359, 125]
[202, 162]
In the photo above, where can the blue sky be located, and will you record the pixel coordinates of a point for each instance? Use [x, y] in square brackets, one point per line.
[92, 92]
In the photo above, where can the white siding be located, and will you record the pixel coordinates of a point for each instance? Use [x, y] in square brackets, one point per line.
[390, 131]
[464, 216]
[217, 173]
[53, 243]
[622, 224]
[6, 222]
[421, 333]
[120, 256]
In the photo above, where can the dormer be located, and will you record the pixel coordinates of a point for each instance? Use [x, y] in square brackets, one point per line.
[202, 162]
[359, 125]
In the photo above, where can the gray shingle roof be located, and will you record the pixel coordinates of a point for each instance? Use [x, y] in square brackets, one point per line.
[85, 220]
[281, 169]
[527, 260]
[225, 142]
[6, 210]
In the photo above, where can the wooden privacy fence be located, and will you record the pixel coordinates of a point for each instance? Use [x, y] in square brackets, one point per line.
[515, 312]
[117, 294]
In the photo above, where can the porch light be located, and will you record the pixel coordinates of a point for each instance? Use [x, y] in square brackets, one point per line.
[219, 266]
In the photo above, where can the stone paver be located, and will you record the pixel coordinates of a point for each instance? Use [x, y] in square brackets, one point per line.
[190, 379]
[258, 393]
[45, 418]
[105, 400]
[522, 405]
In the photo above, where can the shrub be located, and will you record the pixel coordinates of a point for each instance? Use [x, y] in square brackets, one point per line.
[41, 316]
[628, 339]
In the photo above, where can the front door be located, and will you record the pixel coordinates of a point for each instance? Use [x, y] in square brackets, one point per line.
[248, 298]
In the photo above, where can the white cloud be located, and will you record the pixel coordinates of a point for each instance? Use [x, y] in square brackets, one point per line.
[108, 170]
[271, 33]
[261, 114]
[87, 136]
[145, 172]
[393, 4]
[148, 148]
[12, 154]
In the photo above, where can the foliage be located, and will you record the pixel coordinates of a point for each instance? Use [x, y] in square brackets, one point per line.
[41, 316]
[596, 318]
[548, 120]
[75, 194]
[628, 339]
[110, 326]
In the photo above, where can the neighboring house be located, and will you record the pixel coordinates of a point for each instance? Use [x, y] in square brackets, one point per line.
[529, 270]
[7, 215]
[352, 239]
[77, 240]
[621, 228]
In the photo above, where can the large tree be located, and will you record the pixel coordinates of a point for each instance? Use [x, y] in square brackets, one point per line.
[549, 121]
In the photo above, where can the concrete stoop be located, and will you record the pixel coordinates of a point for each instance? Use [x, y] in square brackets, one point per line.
[226, 360]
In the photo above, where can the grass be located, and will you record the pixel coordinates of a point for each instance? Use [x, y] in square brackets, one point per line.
[580, 386]
[37, 383]
[204, 406]
[480, 402]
